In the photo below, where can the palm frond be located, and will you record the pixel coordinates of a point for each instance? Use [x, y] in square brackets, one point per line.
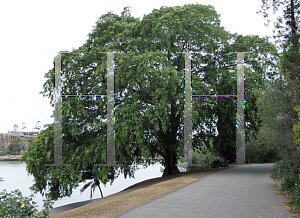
[85, 187]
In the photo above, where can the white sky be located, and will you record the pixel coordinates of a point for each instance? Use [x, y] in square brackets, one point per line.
[30, 29]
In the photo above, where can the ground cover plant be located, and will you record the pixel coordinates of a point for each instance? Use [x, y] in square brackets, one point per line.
[15, 205]
[286, 173]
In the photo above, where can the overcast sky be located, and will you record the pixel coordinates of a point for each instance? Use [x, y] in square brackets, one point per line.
[32, 32]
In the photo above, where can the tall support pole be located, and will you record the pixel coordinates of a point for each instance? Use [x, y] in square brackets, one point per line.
[110, 161]
[240, 120]
[110, 110]
[240, 133]
[188, 131]
[58, 121]
[188, 148]
[240, 136]
[110, 158]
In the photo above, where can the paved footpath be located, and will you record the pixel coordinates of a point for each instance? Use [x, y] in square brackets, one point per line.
[244, 191]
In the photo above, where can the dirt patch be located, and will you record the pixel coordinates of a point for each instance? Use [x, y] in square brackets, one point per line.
[134, 195]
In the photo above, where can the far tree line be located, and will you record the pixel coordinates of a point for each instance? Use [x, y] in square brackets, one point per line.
[37, 126]
[15, 148]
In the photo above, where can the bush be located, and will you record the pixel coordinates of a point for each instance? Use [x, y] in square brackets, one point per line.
[286, 172]
[15, 205]
[295, 200]
[217, 162]
[206, 160]
[15, 146]
[4, 151]
[289, 183]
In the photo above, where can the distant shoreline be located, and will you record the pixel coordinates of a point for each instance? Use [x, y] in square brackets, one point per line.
[11, 158]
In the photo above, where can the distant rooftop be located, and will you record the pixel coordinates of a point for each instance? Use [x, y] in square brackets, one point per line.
[22, 133]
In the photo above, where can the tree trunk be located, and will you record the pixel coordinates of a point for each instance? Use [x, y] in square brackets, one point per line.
[293, 19]
[170, 157]
[98, 184]
[170, 161]
[249, 155]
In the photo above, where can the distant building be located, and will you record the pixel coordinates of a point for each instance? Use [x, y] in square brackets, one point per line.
[23, 133]
[31, 133]
[15, 132]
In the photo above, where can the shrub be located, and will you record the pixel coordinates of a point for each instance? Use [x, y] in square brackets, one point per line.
[286, 172]
[217, 162]
[198, 157]
[15, 146]
[295, 200]
[4, 151]
[15, 205]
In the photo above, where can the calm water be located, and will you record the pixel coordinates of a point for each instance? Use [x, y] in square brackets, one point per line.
[15, 177]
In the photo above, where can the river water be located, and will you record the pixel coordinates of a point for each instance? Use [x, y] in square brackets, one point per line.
[15, 177]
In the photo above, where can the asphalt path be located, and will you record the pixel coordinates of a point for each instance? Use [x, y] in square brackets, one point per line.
[244, 191]
[70, 206]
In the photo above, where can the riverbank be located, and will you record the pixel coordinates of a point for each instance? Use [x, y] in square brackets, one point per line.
[11, 158]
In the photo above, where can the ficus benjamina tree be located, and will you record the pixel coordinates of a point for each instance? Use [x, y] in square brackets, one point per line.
[149, 94]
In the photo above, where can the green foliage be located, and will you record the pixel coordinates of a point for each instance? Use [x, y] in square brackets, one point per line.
[225, 141]
[15, 146]
[65, 179]
[276, 132]
[257, 152]
[257, 75]
[289, 182]
[15, 205]
[276, 114]
[218, 161]
[282, 133]
[286, 172]
[4, 151]
[279, 103]
[296, 128]
[286, 25]
[295, 199]
[204, 156]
